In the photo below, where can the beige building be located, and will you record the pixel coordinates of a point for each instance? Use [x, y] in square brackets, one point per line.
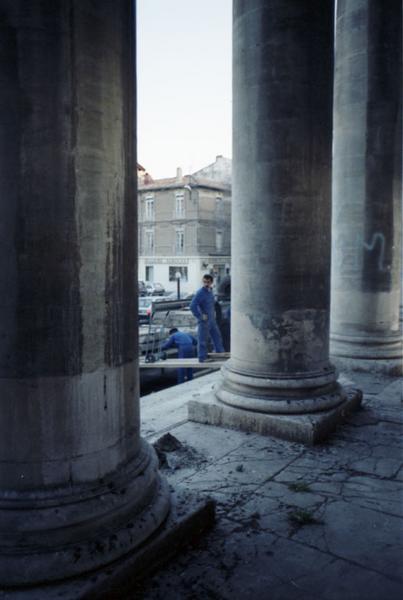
[185, 227]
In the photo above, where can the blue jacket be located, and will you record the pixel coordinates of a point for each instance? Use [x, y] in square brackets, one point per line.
[203, 304]
[183, 341]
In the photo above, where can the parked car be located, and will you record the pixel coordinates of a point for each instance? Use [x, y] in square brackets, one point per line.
[145, 306]
[174, 296]
[142, 288]
[145, 309]
[155, 289]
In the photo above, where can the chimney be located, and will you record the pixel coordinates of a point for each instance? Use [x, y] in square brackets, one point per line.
[178, 173]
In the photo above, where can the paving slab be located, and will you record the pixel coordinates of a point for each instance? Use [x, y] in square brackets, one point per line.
[382, 495]
[293, 522]
[388, 403]
[370, 383]
[165, 409]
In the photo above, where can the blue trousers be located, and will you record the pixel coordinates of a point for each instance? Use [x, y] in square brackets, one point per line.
[204, 330]
[185, 352]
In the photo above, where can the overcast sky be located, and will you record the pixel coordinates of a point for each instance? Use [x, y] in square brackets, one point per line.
[183, 84]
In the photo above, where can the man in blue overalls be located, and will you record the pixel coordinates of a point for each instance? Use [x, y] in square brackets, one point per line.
[185, 344]
[202, 306]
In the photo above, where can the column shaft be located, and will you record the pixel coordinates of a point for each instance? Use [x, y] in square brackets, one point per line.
[367, 186]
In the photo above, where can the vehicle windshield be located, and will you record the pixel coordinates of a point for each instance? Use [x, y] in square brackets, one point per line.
[144, 302]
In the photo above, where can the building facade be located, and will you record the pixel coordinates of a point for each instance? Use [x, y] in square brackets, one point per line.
[219, 170]
[185, 227]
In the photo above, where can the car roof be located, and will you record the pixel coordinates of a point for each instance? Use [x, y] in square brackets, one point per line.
[150, 299]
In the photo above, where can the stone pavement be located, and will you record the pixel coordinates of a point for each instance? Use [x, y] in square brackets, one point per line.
[293, 522]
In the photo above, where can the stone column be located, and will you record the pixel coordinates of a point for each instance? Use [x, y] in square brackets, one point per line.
[279, 371]
[78, 486]
[367, 189]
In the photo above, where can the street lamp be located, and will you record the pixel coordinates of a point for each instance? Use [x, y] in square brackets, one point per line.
[178, 284]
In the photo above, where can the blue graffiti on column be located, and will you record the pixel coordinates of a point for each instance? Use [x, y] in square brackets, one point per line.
[381, 238]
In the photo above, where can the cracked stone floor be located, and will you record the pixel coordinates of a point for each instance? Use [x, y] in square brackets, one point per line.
[293, 522]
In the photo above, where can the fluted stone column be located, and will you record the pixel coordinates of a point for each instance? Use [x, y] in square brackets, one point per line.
[78, 486]
[281, 213]
[367, 191]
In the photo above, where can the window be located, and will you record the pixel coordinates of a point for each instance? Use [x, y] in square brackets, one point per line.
[219, 205]
[150, 273]
[174, 270]
[180, 241]
[218, 239]
[179, 204]
[149, 240]
[149, 208]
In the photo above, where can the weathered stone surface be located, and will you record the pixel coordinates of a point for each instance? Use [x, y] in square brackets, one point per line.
[281, 259]
[190, 517]
[74, 472]
[308, 428]
[281, 220]
[295, 521]
[366, 254]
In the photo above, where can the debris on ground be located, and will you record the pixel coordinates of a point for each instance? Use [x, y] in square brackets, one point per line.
[167, 443]
[181, 455]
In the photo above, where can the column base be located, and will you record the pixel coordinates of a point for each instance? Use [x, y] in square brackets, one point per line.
[368, 355]
[385, 366]
[55, 534]
[307, 428]
[189, 518]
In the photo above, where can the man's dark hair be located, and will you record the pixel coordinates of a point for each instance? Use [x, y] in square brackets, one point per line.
[173, 330]
[208, 276]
